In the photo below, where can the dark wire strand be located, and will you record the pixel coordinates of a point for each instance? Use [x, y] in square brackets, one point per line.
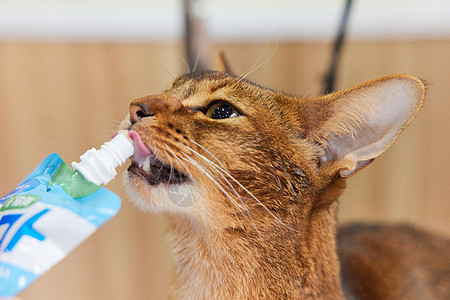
[195, 39]
[330, 78]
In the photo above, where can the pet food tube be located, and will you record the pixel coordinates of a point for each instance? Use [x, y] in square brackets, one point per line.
[53, 210]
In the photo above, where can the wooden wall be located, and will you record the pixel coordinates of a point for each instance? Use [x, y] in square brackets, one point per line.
[66, 98]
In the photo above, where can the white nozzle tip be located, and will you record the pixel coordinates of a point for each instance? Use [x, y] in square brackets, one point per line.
[98, 166]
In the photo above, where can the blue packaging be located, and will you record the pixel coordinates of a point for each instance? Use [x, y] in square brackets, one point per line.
[50, 213]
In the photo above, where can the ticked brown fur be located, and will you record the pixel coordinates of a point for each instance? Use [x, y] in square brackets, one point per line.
[256, 218]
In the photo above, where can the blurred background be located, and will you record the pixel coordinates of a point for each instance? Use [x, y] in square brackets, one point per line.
[69, 68]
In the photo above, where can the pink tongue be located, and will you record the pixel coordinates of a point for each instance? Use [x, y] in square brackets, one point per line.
[141, 151]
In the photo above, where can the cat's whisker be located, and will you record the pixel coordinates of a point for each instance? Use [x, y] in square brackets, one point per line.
[160, 169]
[216, 167]
[180, 174]
[242, 207]
[220, 173]
[223, 177]
[183, 164]
[243, 187]
[171, 164]
[250, 219]
[106, 131]
[214, 180]
[189, 159]
[116, 123]
[209, 152]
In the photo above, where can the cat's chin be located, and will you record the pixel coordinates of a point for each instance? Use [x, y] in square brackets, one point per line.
[163, 197]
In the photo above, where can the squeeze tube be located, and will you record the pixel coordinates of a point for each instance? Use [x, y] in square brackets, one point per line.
[54, 209]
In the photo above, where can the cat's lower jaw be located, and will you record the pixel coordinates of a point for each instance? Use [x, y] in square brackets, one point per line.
[161, 197]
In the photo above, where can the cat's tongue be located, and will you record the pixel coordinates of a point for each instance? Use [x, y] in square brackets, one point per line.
[141, 151]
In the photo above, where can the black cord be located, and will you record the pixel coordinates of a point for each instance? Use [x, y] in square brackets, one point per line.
[188, 33]
[195, 39]
[330, 78]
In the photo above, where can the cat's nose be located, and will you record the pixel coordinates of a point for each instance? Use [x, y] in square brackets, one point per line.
[150, 106]
[139, 111]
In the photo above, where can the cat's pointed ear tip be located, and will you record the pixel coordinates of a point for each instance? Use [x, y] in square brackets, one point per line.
[419, 84]
[408, 88]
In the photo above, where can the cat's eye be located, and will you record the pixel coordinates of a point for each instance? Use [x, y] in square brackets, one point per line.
[221, 110]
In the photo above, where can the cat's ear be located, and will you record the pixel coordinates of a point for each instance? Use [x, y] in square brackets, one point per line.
[358, 124]
[223, 64]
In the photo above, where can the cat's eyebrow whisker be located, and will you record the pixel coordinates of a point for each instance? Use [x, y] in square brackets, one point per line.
[184, 61]
[211, 177]
[167, 71]
[197, 59]
[243, 187]
[255, 66]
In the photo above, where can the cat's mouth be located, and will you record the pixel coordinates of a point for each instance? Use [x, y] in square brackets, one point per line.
[156, 172]
[146, 165]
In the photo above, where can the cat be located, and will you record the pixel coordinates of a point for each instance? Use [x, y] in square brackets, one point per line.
[249, 179]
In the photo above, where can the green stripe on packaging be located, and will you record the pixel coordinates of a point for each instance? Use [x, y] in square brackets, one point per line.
[72, 182]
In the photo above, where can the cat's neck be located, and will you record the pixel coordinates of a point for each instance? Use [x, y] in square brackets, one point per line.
[277, 262]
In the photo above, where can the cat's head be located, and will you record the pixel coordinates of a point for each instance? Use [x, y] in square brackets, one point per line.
[216, 147]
